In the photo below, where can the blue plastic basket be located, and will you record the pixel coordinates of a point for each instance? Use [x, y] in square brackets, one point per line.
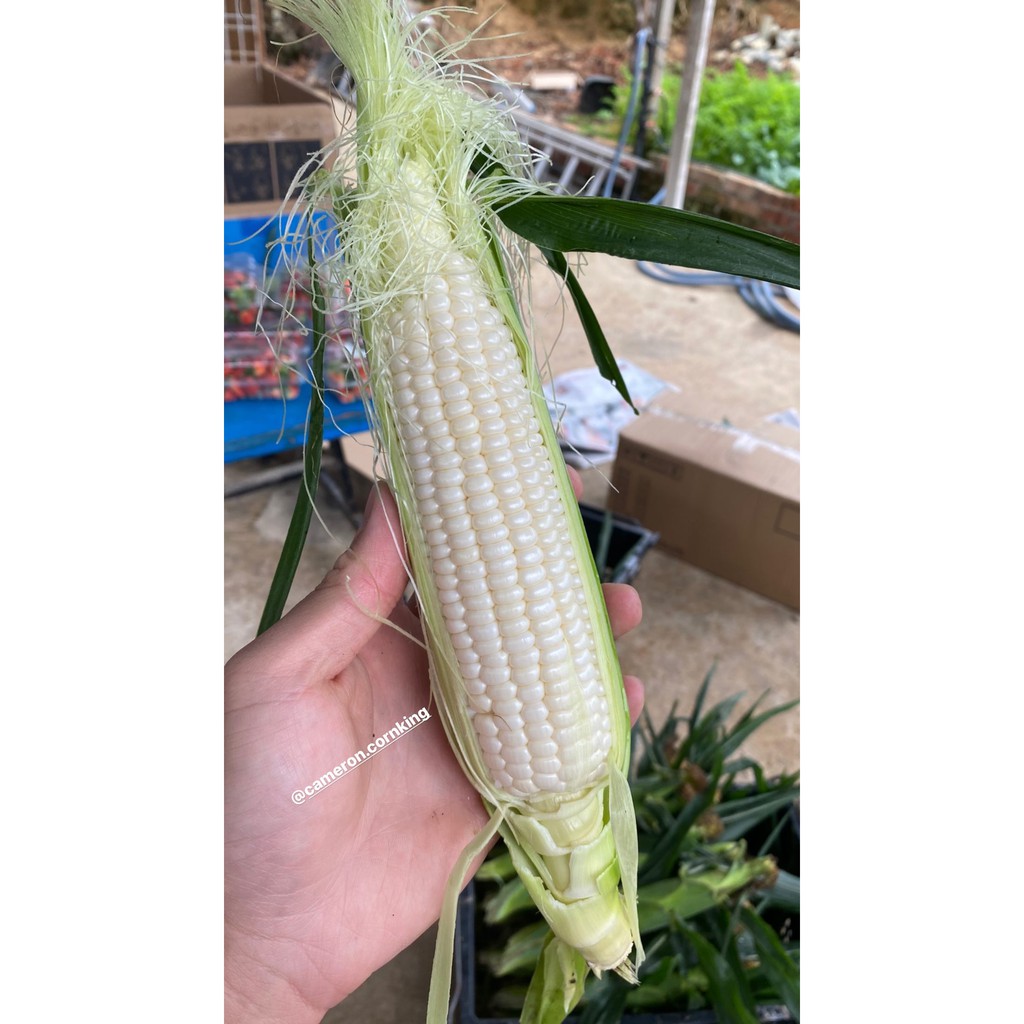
[266, 426]
[279, 235]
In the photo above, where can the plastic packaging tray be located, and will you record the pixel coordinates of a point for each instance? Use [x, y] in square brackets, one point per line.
[260, 367]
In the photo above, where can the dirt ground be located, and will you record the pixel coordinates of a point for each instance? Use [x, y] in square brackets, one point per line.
[586, 42]
[532, 36]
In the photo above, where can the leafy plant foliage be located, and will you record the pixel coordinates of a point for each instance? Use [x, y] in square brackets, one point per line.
[746, 123]
[719, 882]
[750, 124]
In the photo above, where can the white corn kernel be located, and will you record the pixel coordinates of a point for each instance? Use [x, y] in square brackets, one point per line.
[499, 542]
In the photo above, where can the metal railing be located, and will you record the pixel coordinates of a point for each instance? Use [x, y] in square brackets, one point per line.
[576, 164]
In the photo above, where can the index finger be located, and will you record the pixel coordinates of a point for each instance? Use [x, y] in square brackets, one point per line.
[576, 480]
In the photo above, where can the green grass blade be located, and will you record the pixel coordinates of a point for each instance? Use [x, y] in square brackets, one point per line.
[661, 234]
[302, 514]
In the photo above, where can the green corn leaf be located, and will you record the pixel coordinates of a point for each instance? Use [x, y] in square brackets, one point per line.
[497, 868]
[659, 811]
[702, 694]
[342, 204]
[769, 843]
[669, 985]
[784, 894]
[656, 739]
[661, 234]
[740, 816]
[607, 1006]
[557, 984]
[727, 990]
[302, 514]
[739, 958]
[511, 898]
[652, 788]
[776, 963]
[521, 952]
[665, 854]
[599, 347]
[674, 900]
[716, 718]
[749, 724]
[507, 1000]
[706, 735]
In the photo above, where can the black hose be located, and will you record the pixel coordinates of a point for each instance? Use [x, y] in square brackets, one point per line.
[760, 296]
[763, 298]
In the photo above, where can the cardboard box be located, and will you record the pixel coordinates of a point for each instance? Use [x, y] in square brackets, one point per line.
[272, 125]
[553, 81]
[721, 485]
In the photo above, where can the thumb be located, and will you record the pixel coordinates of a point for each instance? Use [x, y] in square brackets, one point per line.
[321, 635]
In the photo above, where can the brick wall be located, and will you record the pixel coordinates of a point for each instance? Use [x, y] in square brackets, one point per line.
[734, 197]
[743, 200]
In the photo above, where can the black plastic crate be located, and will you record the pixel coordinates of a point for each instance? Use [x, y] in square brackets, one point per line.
[626, 543]
[465, 992]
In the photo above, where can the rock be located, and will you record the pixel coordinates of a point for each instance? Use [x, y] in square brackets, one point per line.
[772, 46]
[788, 40]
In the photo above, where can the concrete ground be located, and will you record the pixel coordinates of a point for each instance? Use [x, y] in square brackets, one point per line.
[703, 340]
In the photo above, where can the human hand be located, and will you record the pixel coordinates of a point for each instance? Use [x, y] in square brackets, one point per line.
[319, 895]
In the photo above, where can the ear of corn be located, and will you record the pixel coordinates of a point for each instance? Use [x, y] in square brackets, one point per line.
[523, 662]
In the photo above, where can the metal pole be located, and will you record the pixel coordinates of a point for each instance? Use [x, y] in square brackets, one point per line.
[702, 13]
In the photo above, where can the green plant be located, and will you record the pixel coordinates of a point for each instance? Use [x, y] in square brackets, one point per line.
[751, 124]
[746, 123]
[719, 886]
